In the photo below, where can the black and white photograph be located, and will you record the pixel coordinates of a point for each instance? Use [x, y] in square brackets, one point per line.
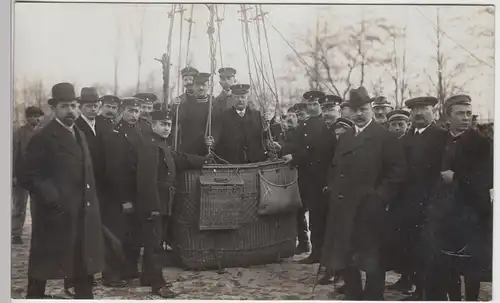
[251, 151]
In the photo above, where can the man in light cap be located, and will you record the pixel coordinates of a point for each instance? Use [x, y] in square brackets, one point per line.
[312, 152]
[365, 174]
[240, 134]
[398, 121]
[188, 75]
[147, 105]
[465, 226]
[192, 119]
[226, 79]
[381, 107]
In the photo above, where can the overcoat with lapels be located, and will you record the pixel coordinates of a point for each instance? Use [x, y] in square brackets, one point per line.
[364, 176]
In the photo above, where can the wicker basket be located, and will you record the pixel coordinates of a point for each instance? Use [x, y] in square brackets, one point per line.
[257, 240]
[220, 202]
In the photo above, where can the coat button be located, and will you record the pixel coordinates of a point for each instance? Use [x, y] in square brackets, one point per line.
[307, 146]
[88, 185]
[340, 197]
[305, 135]
[342, 176]
[88, 203]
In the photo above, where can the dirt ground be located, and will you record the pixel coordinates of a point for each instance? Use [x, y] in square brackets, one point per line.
[280, 281]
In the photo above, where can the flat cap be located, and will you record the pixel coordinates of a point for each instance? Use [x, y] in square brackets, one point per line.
[240, 89]
[146, 97]
[358, 97]
[421, 101]
[227, 71]
[132, 102]
[312, 95]
[398, 114]
[161, 115]
[457, 100]
[189, 71]
[33, 111]
[381, 101]
[88, 95]
[343, 122]
[110, 99]
[202, 78]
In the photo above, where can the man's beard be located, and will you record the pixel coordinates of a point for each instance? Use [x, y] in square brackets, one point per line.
[69, 120]
[110, 115]
[380, 118]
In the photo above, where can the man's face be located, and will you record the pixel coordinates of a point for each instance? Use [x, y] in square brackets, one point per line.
[291, 120]
[162, 128]
[109, 110]
[422, 116]
[460, 117]
[89, 110]
[331, 114]
[302, 115]
[131, 114]
[34, 121]
[313, 108]
[227, 81]
[398, 126]
[67, 112]
[146, 109]
[362, 115]
[200, 89]
[188, 81]
[381, 113]
[240, 101]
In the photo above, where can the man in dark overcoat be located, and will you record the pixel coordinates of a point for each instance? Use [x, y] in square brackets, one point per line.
[109, 111]
[314, 148]
[365, 174]
[239, 138]
[464, 225]
[147, 104]
[21, 138]
[67, 235]
[423, 147]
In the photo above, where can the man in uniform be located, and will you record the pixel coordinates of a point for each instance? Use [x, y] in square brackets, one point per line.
[365, 174]
[465, 225]
[331, 109]
[21, 138]
[345, 110]
[240, 136]
[398, 121]
[342, 125]
[224, 100]
[192, 116]
[109, 111]
[188, 75]
[314, 148]
[301, 111]
[67, 236]
[381, 107]
[148, 101]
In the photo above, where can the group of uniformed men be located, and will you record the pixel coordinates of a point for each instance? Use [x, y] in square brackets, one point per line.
[381, 195]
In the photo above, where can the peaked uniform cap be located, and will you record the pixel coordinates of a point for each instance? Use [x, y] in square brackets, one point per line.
[132, 102]
[240, 89]
[110, 99]
[381, 101]
[202, 78]
[421, 101]
[458, 100]
[398, 114]
[161, 115]
[330, 101]
[189, 71]
[343, 122]
[62, 92]
[310, 96]
[227, 71]
[358, 97]
[146, 97]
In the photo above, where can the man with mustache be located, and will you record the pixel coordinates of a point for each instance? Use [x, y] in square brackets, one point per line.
[227, 78]
[312, 152]
[301, 111]
[398, 121]
[381, 107]
[423, 146]
[188, 75]
[464, 224]
[67, 236]
[331, 109]
[109, 111]
[364, 176]
[147, 105]
[21, 138]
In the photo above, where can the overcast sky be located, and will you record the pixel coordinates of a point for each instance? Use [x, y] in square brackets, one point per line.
[77, 42]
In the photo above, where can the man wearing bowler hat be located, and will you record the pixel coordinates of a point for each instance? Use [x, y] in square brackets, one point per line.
[366, 171]
[313, 150]
[67, 236]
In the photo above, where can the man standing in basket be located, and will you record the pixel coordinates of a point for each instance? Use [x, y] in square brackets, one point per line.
[314, 148]
[224, 100]
[67, 235]
[365, 174]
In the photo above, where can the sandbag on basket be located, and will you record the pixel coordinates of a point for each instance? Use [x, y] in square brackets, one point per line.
[279, 192]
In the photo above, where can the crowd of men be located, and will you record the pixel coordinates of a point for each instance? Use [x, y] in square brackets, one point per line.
[385, 189]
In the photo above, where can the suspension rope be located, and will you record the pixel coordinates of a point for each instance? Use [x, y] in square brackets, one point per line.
[260, 47]
[219, 20]
[169, 50]
[190, 20]
[213, 65]
[181, 21]
[269, 55]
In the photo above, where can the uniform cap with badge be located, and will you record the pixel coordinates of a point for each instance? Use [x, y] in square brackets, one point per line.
[240, 89]
[398, 114]
[381, 101]
[201, 78]
[88, 95]
[189, 71]
[314, 95]
[110, 99]
[62, 92]
[227, 72]
[331, 101]
[146, 97]
[161, 115]
[131, 102]
[421, 101]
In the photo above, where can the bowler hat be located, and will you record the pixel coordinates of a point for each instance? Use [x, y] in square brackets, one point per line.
[358, 97]
[62, 92]
[88, 95]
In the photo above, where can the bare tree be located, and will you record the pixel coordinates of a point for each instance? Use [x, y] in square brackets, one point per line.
[139, 44]
[117, 56]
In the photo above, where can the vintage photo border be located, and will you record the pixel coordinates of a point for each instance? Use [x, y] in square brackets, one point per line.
[6, 112]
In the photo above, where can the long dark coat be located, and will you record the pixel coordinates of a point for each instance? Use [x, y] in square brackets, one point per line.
[365, 174]
[59, 175]
[240, 139]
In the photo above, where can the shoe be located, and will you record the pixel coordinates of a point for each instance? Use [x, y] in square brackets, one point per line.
[114, 283]
[164, 292]
[302, 248]
[403, 286]
[17, 240]
[309, 260]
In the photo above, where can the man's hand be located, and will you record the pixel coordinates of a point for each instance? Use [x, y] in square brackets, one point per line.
[128, 207]
[288, 158]
[209, 141]
[447, 176]
[276, 145]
